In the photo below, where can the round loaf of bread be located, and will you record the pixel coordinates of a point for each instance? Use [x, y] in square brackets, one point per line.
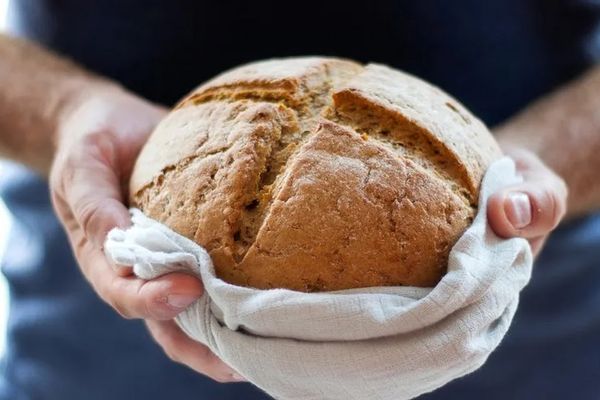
[317, 174]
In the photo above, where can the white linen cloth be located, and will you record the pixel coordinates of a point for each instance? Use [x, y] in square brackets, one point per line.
[379, 343]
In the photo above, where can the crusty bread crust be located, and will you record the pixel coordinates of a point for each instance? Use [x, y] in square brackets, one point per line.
[317, 174]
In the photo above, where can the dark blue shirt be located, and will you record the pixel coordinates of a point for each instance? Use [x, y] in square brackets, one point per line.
[496, 56]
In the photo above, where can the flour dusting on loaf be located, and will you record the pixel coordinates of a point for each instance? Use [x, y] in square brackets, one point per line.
[317, 174]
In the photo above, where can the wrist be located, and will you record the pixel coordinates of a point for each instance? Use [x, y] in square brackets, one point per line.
[511, 137]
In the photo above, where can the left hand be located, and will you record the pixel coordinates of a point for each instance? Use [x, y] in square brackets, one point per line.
[531, 209]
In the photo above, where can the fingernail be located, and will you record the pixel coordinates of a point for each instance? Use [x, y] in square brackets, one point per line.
[180, 301]
[518, 209]
[238, 377]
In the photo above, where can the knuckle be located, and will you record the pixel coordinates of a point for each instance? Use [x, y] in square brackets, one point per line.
[221, 378]
[169, 348]
[57, 200]
[69, 166]
[54, 180]
[99, 144]
[55, 194]
[97, 137]
[558, 202]
[558, 211]
[549, 208]
[219, 374]
[148, 306]
[212, 360]
[88, 215]
[167, 344]
[172, 355]
[563, 188]
[149, 309]
[497, 216]
[62, 175]
[214, 363]
[213, 367]
[121, 309]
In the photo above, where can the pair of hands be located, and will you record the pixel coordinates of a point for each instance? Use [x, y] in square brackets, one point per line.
[96, 146]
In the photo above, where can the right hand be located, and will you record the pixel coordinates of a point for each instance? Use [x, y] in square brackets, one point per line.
[533, 208]
[97, 142]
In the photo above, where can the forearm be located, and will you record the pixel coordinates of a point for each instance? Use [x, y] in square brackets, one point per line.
[37, 89]
[564, 130]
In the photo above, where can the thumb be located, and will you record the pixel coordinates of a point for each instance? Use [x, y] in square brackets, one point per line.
[528, 210]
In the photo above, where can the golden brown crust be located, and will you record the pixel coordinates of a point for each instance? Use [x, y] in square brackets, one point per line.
[295, 82]
[443, 129]
[317, 174]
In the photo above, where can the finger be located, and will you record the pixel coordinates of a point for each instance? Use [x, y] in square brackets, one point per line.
[74, 231]
[528, 210]
[122, 270]
[537, 244]
[91, 188]
[161, 298]
[182, 349]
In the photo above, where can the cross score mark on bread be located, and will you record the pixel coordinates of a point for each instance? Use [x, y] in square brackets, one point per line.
[317, 174]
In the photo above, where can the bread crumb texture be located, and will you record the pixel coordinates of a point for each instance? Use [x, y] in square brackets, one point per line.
[317, 174]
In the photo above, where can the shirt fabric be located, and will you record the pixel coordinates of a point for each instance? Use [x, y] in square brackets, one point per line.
[495, 56]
